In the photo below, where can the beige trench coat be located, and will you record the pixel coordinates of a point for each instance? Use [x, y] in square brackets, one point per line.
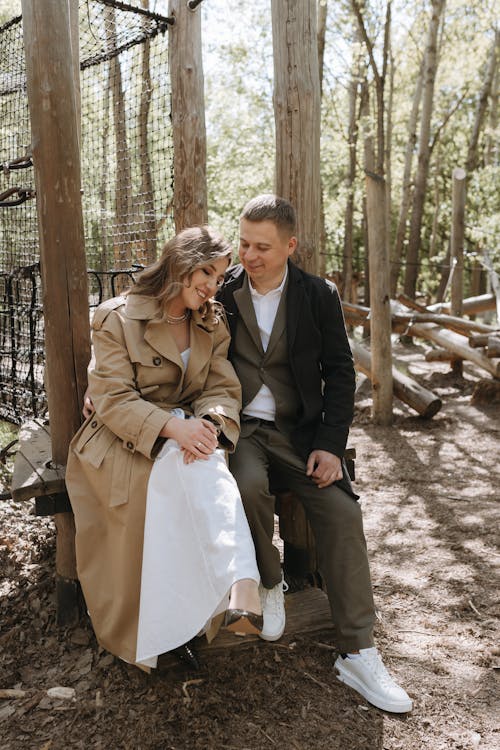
[137, 377]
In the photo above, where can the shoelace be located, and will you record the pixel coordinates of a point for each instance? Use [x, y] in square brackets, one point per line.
[376, 665]
[273, 600]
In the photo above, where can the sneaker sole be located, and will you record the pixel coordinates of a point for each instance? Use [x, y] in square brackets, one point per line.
[273, 637]
[395, 707]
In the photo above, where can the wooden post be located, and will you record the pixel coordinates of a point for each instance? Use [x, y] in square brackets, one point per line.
[54, 108]
[188, 116]
[381, 370]
[457, 250]
[457, 240]
[297, 119]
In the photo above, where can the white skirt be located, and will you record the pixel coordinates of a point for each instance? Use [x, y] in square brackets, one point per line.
[197, 543]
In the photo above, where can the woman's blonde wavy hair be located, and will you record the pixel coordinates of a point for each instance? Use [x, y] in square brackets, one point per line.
[190, 249]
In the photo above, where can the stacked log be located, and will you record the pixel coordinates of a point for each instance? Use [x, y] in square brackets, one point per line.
[453, 335]
[426, 403]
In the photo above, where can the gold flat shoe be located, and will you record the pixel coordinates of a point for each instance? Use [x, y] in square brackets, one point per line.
[243, 622]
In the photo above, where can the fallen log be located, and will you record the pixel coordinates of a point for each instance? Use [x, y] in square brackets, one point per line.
[426, 403]
[441, 355]
[358, 315]
[456, 344]
[451, 322]
[493, 345]
[478, 340]
[470, 306]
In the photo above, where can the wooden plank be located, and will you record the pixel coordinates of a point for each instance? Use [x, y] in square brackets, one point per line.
[34, 473]
[307, 611]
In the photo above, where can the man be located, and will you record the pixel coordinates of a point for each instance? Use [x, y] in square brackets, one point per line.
[291, 353]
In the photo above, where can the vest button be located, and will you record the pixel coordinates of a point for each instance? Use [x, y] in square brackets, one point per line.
[93, 424]
[130, 445]
[157, 361]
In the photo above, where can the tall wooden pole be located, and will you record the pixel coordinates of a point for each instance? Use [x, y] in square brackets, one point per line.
[457, 240]
[188, 116]
[54, 104]
[381, 360]
[297, 118]
[54, 111]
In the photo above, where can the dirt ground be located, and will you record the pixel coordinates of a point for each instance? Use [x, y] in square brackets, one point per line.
[429, 491]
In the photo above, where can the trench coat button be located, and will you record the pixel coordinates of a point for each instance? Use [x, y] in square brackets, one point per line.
[130, 445]
[94, 423]
[157, 361]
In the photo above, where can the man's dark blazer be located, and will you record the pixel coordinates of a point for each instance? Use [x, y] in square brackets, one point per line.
[320, 360]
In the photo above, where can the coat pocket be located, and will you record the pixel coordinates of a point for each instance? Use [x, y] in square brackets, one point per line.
[92, 441]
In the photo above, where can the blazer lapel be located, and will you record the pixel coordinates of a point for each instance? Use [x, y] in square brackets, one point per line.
[279, 321]
[246, 309]
[294, 303]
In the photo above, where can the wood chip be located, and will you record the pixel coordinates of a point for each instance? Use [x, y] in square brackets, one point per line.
[12, 693]
[63, 693]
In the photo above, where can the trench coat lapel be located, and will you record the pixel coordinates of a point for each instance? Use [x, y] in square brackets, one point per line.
[158, 336]
[201, 344]
[246, 309]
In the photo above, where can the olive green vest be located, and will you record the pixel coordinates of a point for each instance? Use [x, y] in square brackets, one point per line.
[255, 366]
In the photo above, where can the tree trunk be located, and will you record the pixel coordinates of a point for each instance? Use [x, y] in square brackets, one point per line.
[376, 203]
[297, 118]
[352, 139]
[407, 182]
[471, 162]
[492, 148]
[431, 63]
[369, 166]
[322, 16]
[123, 226]
[188, 116]
[148, 223]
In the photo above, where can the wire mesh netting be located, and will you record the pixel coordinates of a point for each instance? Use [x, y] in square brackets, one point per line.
[127, 178]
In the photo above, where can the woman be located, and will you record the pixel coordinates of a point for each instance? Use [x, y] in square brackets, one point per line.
[162, 541]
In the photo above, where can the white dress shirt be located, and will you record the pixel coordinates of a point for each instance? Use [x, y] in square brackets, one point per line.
[266, 306]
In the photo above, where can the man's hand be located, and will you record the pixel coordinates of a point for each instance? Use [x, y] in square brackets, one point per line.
[88, 406]
[324, 468]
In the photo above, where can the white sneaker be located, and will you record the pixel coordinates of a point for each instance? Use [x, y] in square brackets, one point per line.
[366, 674]
[273, 609]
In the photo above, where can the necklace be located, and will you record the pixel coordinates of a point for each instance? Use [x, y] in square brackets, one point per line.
[175, 320]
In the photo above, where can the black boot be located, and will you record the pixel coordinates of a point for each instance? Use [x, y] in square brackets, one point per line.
[187, 655]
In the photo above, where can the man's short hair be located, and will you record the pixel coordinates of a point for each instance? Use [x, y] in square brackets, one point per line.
[269, 207]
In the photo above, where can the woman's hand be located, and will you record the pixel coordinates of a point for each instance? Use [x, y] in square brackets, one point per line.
[196, 437]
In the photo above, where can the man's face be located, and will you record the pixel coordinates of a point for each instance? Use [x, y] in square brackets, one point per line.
[264, 251]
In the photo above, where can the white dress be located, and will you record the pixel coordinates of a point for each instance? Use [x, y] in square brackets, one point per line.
[197, 543]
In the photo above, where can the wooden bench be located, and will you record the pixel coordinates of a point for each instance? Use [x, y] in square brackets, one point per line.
[36, 477]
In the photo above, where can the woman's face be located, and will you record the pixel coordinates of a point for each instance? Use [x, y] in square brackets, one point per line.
[204, 283]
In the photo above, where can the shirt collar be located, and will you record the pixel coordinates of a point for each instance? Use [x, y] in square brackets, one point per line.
[278, 290]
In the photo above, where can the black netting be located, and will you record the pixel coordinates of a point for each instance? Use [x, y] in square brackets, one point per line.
[126, 178]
